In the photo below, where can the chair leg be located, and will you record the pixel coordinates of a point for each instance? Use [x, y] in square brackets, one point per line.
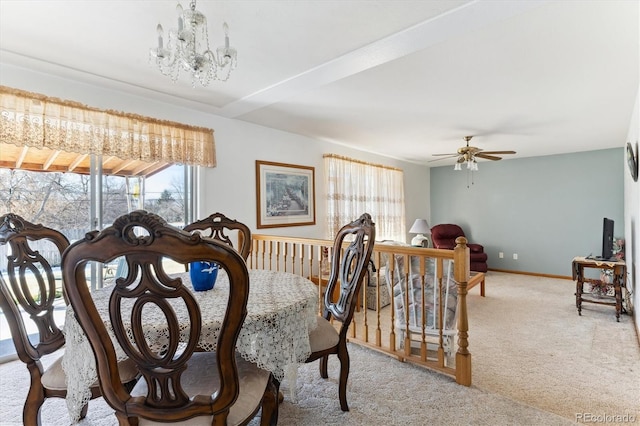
[35, 397]
[323, 366]
[83, 411]
[31, 412]
[343, 355]
[270, 403]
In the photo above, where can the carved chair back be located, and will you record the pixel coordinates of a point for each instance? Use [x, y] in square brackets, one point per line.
[145, 240]
[30, 288]
[31, 279]
[216, 225]
[348, 269]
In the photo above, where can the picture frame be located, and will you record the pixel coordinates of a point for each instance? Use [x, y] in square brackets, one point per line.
[285, 195]
[632, 161]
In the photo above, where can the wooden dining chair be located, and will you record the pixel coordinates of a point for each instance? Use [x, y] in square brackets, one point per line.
[178, 383]
[348, 269]
[216, 225]
[47, 383]
[33, 250]
[29, 296]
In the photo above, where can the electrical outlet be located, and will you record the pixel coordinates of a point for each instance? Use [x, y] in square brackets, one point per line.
[515, 256]
[501, 255]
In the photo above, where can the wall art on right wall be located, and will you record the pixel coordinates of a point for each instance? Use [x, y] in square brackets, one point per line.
[632, 160]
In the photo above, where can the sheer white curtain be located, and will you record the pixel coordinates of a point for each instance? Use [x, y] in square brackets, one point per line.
[355, 187]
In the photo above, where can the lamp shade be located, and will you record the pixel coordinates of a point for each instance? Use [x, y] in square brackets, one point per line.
[420, 226]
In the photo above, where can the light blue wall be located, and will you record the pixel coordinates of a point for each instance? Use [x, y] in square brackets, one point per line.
[546, 209]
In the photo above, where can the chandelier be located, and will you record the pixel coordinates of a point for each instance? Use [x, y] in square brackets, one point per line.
[187, 48]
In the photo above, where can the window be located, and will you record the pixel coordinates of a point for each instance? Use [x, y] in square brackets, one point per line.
[71, 166]
[99, 161]
[75, 168]
[355, 187]
[64, 201]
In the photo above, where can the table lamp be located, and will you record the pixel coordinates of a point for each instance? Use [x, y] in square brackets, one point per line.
[420, 227]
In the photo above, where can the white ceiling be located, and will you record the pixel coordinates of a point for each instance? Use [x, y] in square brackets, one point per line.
[406, 79]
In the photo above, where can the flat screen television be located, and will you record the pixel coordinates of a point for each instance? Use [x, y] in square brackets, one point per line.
[607, 239]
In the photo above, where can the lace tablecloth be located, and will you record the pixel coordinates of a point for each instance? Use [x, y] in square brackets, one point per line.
[282, 308]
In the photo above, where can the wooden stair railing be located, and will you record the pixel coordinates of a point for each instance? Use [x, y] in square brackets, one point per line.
[374, 328]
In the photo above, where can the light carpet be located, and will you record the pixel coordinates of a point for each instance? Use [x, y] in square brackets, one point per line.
[529, 343]
[535, 362]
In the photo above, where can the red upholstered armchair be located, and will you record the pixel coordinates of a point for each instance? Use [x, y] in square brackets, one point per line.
[444, 237]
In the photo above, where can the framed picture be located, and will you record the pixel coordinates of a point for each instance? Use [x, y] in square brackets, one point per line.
[285, 195]
[632, 161]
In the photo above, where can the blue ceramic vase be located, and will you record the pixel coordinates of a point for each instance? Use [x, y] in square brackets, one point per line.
[203, 275]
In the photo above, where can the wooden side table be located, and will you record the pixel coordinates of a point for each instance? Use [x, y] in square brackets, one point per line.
[619, 277]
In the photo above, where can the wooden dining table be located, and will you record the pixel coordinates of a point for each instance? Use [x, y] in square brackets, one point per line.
[281, 310]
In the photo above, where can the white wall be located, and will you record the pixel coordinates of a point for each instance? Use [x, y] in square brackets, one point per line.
[230, 187]
[632, 217]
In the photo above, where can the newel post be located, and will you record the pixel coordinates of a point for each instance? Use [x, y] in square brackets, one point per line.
[462, 273]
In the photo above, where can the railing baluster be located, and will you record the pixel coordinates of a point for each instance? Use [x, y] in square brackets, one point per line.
[391, 264]
[300, 258]
[423, 330]
[438, 282]
[378, 329]
[407, 313]
[311, 257]
[461, 271]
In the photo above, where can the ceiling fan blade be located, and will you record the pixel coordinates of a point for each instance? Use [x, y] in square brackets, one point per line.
[498, 152]
[439, 155]
[488, 157]
[443, 158]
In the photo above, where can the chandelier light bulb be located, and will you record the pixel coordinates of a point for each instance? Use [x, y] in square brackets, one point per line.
[180, 11]
[160, 32]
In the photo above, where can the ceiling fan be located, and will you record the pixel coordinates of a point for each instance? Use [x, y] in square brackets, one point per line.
[468, 154]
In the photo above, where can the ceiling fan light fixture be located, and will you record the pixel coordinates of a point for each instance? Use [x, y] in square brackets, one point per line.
[470, 154]
[472, 164]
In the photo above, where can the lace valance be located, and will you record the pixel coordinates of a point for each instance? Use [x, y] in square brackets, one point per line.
[34, 120]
